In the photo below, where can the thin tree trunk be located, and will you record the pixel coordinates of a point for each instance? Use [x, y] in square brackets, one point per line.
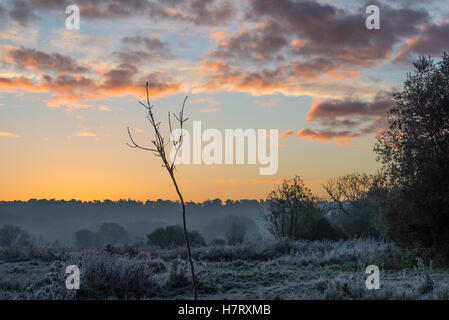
[186, 237]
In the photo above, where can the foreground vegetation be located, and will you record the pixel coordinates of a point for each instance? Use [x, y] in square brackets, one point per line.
[263, 270]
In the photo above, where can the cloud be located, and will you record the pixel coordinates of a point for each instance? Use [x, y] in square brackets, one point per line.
[207, 100]
[285, 134]
[31, 59]
[229, 180]
[15, 83]
[78, 106]
[338, 34]
[13, 32]
[270, 181]
[67, 83]
[9, 135]
[313, 68]
[122, 80]
[433, 40]
[328, 111]
[345, 119]
[287, 47]
[304, 48]
[159, 82]
[285, 78]
[262, 43]
[271, 102]
[104, 108]
[198, 12]
[22, 12]
[222, 76]
[342, 137]
[71, 88]
[86, 134]
[99, 9]
[144, 49]
[218, 36]
[210, 110]
[119, 78]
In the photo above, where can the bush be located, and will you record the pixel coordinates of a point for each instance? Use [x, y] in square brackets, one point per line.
[85, 238]
[178, 277]
[323, 230]
[112, 233]
[218, 227]
[13, 236]
[236, 234]
[292, 210]
[173, 236]
[355, 206]
[56, 289]
[105, 275]
[218, 242]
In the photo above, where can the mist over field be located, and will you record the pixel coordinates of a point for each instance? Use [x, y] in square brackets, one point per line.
[59, 220]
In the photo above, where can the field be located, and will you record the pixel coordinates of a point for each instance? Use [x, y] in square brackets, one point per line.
[264, 270]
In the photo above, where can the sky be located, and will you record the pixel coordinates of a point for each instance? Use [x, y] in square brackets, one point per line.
[310, 69]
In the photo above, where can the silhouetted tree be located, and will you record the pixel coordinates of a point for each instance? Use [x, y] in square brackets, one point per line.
[236, 233]
[414, 152]
[173, 236]
[292, 210]
[13, 236]
[218, 227]
[355, 203]
[112, 233]
[85, 238]
[159, 144]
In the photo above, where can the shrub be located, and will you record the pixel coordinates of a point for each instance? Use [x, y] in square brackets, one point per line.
[85, 238]
[177, 277]
[173, 236]
[13, 236]
[56, 289]
[218, 242]
[323, 230]
[292, 210]
[355, 206]
[112, 233]
[105, 275]
[236, 233]
[218, 227]
[32, 253]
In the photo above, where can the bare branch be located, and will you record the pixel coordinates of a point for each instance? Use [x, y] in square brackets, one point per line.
[159, 151]
[135, 145]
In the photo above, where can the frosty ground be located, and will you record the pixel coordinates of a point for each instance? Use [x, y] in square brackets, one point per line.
[263, 270]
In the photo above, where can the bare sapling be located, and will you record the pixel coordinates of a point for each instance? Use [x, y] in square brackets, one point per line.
[159, 145]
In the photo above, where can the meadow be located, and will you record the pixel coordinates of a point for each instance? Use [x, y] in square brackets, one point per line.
[252, 270]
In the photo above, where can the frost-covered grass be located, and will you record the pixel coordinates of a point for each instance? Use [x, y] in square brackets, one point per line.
[262, 270]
